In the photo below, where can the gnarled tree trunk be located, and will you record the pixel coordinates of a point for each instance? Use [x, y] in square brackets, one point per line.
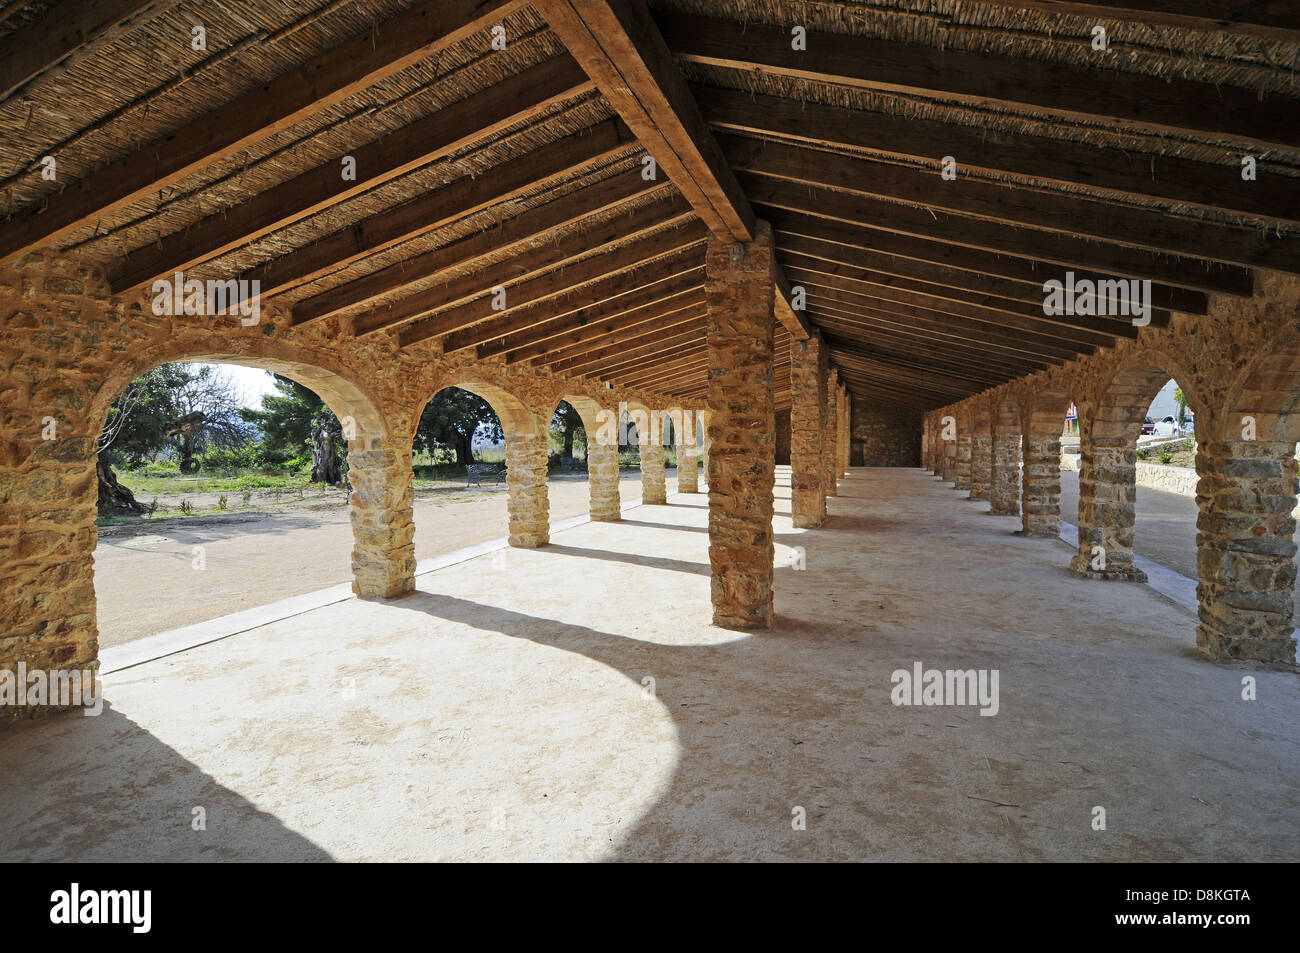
[113, 496]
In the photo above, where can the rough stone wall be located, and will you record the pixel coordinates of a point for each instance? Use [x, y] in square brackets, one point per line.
[808, 403]
[981, 452]
[68, 348]
[654, 480]
[1004, 489]
[1239, 367]
[742, 451]
[784, 438]
[885, 435]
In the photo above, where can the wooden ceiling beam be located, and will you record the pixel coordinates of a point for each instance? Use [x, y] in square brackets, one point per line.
[1063, 250]
[944, 254]
[1100, 169]
[551, 164]
[517, 99]
[545, 269]
[687, 330]
[1147, 104]
[511, 235]
[669, 324]
[1037, 209]
[65, 31]
[1276, 20]
[529, 338]
[358, 63]
[463, 327]
[561, 345]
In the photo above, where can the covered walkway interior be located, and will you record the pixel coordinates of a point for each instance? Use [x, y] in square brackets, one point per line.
[494, 714]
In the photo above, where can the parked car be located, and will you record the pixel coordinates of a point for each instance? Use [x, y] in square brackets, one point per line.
[1168, 427]
[1148, 426]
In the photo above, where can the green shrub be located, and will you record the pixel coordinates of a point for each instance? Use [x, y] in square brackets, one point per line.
[248, 495]
[1143, 453]
[186, 508]
[222, 502]
[1165, 455]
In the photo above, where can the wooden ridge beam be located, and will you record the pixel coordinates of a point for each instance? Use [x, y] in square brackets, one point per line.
[1007, 204]
[512, 234]
[355, 64]
[620, 47]
[1063, 250]
[418, 216]
[442, 133]
[1102, 170]
[688, 328]
[1148, 104]
[544, 270]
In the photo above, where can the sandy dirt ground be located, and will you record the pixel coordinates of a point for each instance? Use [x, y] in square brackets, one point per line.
[574, 703]
[147, 578]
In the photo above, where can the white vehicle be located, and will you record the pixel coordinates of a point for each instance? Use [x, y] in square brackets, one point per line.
[1168, 427]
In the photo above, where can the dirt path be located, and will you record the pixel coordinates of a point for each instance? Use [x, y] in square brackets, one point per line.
[147, 581]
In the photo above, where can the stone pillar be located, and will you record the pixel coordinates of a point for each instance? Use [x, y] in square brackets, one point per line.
[1004, 491]
[1040, 511]
[846, 431]
[948, 472]
[688, 464]
[654, 482]
[961, 471]
[1107, 497]
[1245, 551]
[527, 504]
[602, 477]
[742, 429]
[383, 528]
[808, 396]
[981, 458]
[830, 434]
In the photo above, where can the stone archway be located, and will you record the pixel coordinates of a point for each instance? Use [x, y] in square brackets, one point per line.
[1246, 462]
[601, 426]
[1108, 432]
[526, 455]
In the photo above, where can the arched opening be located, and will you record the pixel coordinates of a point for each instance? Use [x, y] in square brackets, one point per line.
[583, 460]
[220, 487]
[1111, 497]
[481, 448]
[1247, 493]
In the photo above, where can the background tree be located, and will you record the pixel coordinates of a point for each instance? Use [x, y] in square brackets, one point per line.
[451, 419]
[294, 420]
[1181, 401]
[568, 422]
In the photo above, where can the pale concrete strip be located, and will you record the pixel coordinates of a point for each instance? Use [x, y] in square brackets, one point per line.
[1172, 585]
[163, 644]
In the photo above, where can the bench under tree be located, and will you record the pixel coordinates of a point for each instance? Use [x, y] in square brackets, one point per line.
[477, 473]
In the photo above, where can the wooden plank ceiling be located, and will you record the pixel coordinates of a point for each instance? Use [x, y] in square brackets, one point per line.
[526, 169]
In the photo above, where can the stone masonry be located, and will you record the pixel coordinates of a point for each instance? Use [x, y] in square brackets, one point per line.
[808, 396]
[742, 451]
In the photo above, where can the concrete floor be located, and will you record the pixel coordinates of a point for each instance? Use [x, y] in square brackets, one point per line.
[501, 712]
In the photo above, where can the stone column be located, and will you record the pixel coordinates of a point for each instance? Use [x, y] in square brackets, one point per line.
[830, 434]
[981, 460]
[602, 477]
[1107, 496]
[527, 504]
[948, 471]
[688, 464]
[742, 429]
[383, 528]
[1004, 492]
[1040, 511]
[808, 403]
[1245, 551]
[654, 482]
[846, 430]
[961, 472]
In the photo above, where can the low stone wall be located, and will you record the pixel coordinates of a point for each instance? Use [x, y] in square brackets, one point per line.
[1180, 480]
